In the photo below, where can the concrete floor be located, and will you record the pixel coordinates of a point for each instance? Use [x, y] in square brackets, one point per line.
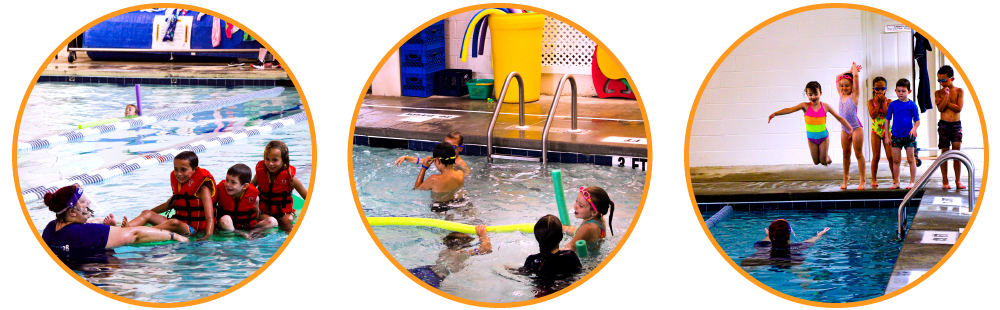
[598, 118]
[84, 66]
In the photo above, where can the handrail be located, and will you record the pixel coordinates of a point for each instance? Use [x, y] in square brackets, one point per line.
[956, 155]
[496, 111]
[552, 112]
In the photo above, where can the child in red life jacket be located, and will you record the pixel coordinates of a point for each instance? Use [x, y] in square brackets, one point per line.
[193, 191]
[236, 205]
[275, 179]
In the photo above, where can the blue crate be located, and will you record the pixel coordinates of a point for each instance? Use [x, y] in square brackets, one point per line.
[451, 82]
[422, 59]
[431, 34]
[417, 84]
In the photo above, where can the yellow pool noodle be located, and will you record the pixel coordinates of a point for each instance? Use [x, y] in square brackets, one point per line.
[446, 225]
[472, 27]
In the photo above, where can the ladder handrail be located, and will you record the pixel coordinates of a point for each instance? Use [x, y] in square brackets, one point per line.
[496, 111]
[953, 154]
[552, 112]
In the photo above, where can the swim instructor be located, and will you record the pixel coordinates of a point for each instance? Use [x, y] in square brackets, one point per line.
[71, 231]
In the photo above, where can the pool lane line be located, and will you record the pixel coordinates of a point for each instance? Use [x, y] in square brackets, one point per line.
[162, 156]
[140, 121]
[487, 112]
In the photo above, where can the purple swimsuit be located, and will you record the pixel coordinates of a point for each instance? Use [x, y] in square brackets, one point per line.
[849, 111]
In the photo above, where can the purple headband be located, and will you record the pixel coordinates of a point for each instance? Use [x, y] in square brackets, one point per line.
[72, 200]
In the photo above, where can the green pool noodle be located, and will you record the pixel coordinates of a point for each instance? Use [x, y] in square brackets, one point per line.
[581, 248]
[446, 225]
[98, 123]
[297, 202]
[560, 197]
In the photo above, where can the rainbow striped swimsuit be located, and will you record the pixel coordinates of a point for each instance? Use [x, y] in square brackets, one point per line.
[816, 125]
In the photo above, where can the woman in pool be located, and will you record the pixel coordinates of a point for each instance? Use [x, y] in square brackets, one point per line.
[776, 249]
[447, 186]
[72, 232]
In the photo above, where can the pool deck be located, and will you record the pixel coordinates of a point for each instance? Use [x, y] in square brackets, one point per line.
[383, 116]
[84, 66]
[804, 182]
[919, 253]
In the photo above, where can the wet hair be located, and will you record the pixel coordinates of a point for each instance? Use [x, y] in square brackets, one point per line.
[947, 71]
[189, 156]
[280, 146]
[445, 152]
[241, 172]
[875, 81]
[459, 136]
[814, 86]
[903, 83]
[603, 203]
[57, 201]
[548, 233]
[456, 240]
[133, 106]
[779, 232]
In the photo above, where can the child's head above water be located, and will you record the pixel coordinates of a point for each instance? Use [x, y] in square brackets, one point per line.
[457, 139]
[445, 152]
[238, 179]
[779, 232]
[548, 233]
[879, 86]
[845, 84]
[275, 156]
[814, 91]
[457, 240]
[131, 110]
[902, 89]
[185, 164]
[592, 203]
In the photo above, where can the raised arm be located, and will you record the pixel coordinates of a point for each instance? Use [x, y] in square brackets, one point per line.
[784, 111]
[421, 184]
[837, 116]
[485, 247]
[856, 71]
[818, 235]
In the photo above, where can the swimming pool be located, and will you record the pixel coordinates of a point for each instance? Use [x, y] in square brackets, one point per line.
[172, 272]
[504, 193]
[852, 262]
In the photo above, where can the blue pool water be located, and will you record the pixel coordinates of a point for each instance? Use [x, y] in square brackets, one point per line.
[852, 262]
[173, 272]
[501, 194]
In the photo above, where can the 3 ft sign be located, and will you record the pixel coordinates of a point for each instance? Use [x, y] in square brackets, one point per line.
[634, 163]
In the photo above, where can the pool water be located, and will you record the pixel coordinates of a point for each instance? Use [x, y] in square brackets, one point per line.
[502, 193]
[852, 262]
[171, 272]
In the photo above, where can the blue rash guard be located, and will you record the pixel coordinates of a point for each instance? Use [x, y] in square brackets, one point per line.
[76, 237]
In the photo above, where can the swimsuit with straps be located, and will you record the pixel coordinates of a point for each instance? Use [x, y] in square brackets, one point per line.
[879, 122]
[816, 124]
[598, 225]
[849, 111]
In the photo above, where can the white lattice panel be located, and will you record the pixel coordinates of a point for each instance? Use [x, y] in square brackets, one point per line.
[565, 49]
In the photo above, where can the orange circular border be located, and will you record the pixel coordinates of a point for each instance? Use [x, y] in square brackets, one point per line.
[687, 155]
[34, 229]
[350, 164]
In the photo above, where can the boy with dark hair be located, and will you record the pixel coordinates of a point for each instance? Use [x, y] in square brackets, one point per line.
[949, 102]
[457, 140]
[193, 192]
[237, 204]
[904, 118]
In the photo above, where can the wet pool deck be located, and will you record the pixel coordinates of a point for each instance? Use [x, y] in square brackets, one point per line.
[917, 257]
[84, 66]
[804, 182]
[382, 116]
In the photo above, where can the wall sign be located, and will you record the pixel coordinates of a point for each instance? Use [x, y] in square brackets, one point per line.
[897, 28]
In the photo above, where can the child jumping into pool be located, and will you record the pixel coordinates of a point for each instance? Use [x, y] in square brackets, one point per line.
[457, 140]
[446, 186]
[949, 102]
[592, 203]
[815, 115]
[776, 249]
[275, 179]
[237, 203]
[904, 118]
[452, 258]
[878, 106]
[193, 192]
[853, 133]
[552, 267]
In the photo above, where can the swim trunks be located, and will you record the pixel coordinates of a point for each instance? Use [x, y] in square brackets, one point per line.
[451, 204]
[849, 111]
[816, 125]
[948, 133]
[427, 274]
[904, 142]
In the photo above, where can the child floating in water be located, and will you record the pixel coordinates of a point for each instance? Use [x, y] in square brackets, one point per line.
[452, 259]
[592, 203]
[878, 107]
[237, 203]
[456, 139]
[275, 180]
[446, 186]
[815, 115]
[193, 192]
[776, 249]
[552, 267]
[131, 110]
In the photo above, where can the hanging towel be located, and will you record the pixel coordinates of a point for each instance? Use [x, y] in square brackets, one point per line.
[216, 31]
[200, 15]
[232, 31]
[172, 20]
[920, 48]
[229, 30]
[247, 37]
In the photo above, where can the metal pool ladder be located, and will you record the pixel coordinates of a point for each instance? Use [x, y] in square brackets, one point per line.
[521, 126]
[552, 113]
[956, 155]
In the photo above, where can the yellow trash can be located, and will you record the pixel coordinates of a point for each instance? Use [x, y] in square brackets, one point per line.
[517, 46]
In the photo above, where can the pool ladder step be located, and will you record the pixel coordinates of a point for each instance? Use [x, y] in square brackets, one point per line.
[520, 109]
[517, 157]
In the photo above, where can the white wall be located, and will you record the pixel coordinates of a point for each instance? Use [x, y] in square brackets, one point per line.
[769, 71]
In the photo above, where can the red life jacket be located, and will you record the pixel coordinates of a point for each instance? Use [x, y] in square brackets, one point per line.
[185, 202]
[276, 194]
[242, 210]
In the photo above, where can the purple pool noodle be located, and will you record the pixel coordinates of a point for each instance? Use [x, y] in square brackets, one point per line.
[138, 100]
[475, 36]
[482, 38]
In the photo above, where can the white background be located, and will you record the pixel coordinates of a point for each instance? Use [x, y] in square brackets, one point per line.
[332, 263]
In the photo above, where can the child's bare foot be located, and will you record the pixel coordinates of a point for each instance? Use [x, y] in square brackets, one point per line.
[861, 186]
[909, 186]
[110, 220]
[874, 184]
[124, 221]
[895, 185]
[945, 185]
[844, 186]
[959, 185]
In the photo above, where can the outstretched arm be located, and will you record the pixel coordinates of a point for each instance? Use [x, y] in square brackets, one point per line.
[818, 235]
[837, 116]
[786, 111]
[409, 159]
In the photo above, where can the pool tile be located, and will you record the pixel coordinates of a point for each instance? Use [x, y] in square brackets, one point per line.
[554, 157]
[534, 153]
[503, 151]
[361, 140]
[427, 146]
[517, 152]
[602, 160]
[569, 158]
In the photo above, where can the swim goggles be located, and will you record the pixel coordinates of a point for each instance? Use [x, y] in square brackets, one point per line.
[943, 80]
[586, 195]
[879, 88]
[455, 146]
[72, 200]
[845, 76]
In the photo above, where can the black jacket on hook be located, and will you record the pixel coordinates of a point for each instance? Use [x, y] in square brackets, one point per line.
[923, 92]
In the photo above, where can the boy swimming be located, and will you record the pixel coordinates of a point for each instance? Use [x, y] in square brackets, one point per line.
[447, 185]
[452, 259]
[456, 139]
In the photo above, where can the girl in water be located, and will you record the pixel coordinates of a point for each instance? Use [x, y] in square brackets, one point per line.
[592, 203]
[815, 115]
